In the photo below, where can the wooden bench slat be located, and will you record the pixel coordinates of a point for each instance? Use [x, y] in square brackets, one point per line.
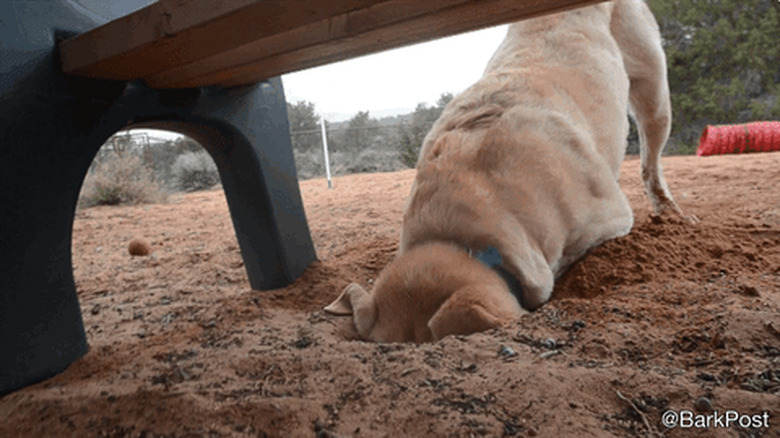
[170, 33]
[299, 44]
[192, 43]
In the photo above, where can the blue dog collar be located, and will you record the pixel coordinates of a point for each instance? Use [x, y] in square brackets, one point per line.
[491, 258]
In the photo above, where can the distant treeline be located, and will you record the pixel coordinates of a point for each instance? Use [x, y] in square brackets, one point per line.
[363, 143]
[724, 63]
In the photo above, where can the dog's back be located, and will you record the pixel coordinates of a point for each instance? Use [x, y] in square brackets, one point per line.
[527, 159]
[525, 163]
[568, 66]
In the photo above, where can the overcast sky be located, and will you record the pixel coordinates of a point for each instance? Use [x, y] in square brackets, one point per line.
[387, 83]
[395, 81]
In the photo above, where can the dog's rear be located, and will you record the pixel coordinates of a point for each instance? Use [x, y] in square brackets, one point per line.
[525, 162]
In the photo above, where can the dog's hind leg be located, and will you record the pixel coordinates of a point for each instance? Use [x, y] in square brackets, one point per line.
[638, 37]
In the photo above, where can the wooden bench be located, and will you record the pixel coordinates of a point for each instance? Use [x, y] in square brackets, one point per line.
[204, 68]
[183, 44]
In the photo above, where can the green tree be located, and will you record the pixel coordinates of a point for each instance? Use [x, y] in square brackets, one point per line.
[723, 60]
[305, 130]
[360, 133]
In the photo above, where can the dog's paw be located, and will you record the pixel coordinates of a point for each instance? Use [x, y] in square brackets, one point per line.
[666, 207]
[689, 219]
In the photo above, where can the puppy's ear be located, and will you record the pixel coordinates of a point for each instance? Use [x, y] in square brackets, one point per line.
[462, 314]
[354, 300]
[342, 306]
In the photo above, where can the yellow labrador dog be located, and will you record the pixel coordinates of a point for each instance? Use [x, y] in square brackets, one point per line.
[519, 176]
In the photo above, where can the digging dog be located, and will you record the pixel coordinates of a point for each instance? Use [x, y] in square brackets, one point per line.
[518, 178]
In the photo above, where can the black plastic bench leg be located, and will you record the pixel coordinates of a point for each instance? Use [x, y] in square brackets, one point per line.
[52, 126]
[246, 132]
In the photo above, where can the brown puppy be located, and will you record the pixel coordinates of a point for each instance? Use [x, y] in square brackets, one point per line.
[518, 177]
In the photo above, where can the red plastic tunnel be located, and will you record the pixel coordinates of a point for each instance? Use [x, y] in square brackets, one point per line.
[739, 139]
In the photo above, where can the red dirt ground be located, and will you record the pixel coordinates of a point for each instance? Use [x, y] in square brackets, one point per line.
[672, 316]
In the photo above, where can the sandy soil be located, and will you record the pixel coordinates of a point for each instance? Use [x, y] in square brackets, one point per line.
[672, 316]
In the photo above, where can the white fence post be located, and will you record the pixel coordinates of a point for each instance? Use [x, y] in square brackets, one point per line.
[325, 152]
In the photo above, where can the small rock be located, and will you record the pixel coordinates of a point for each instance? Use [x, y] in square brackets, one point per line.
[549, 343]
[469, 369]
[749, 291]
[706, 377]
[506, 351]
[184, 374]
[303, 342]
[703, 404]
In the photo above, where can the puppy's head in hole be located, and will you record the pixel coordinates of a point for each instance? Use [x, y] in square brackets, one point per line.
[427, 293]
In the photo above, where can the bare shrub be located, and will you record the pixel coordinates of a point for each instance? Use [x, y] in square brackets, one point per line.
[195, 171]
[120, 179]
[309, 163]
[367, 160]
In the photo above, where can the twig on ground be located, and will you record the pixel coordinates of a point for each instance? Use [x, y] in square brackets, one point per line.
[651, 430]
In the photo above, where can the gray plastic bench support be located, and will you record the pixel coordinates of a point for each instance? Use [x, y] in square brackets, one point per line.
[51, 127]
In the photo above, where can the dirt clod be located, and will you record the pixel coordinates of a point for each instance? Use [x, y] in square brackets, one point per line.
[139, 247]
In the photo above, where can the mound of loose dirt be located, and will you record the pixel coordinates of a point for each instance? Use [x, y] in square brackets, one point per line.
[672, 316]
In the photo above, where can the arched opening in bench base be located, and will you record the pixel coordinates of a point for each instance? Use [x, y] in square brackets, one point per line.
[53, 125]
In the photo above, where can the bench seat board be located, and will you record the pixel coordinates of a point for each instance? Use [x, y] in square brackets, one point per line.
[194, 43]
